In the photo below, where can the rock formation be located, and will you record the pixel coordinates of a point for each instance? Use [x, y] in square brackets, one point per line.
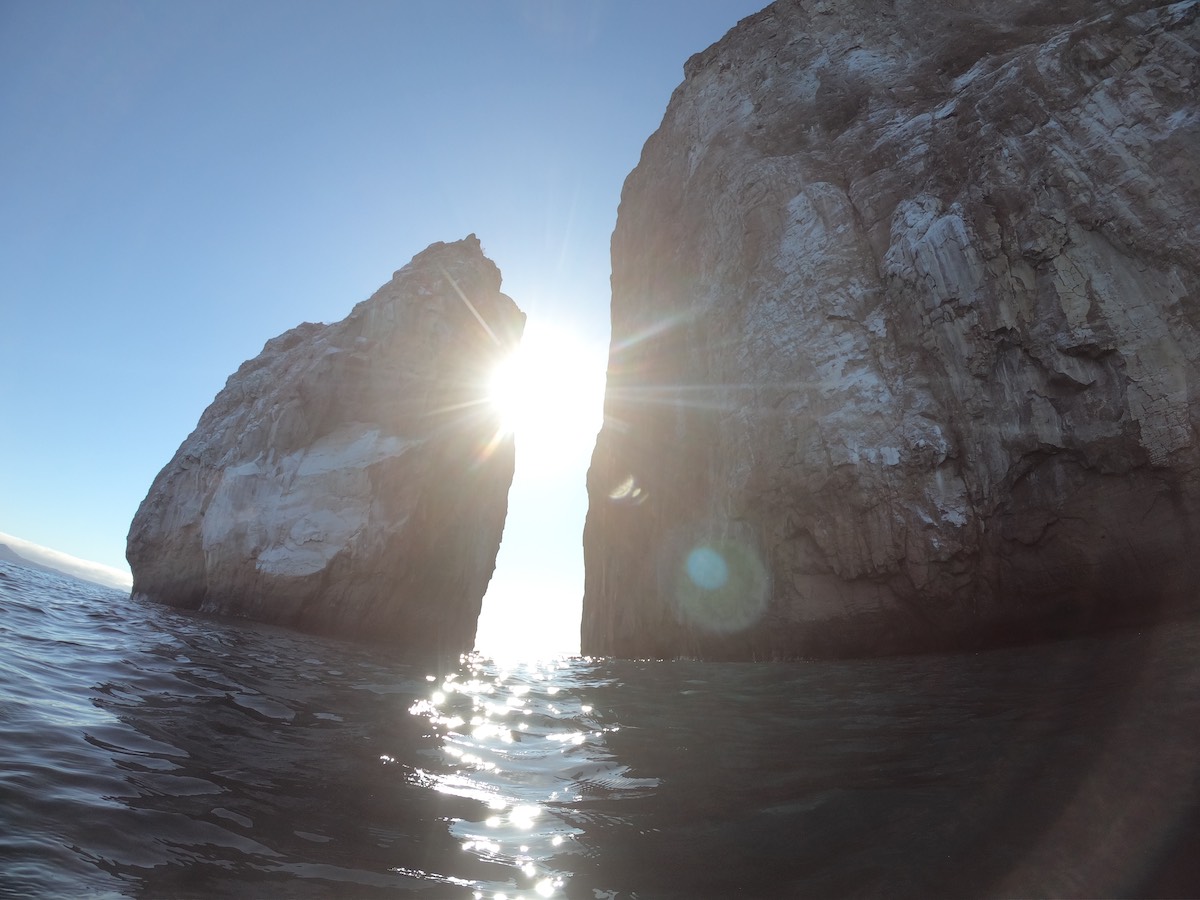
[905, 310]
[351, 478]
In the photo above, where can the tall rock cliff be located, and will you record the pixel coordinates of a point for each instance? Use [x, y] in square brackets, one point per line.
[350, 479]
[905, 350]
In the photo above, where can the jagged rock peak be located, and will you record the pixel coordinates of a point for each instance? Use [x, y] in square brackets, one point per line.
[351, 478]
[905, 310]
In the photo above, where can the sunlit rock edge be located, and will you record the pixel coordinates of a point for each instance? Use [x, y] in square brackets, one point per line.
[904, 336]
[349, 479]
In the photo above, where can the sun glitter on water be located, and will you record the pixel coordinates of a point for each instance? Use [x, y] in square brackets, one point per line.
[549, 394]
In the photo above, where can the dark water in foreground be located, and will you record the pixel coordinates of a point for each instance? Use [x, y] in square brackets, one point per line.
[144, 752]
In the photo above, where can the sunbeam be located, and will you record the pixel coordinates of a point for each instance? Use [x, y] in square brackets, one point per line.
[549, 394]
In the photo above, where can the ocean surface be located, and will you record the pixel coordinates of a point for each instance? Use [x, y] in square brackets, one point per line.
[146, 752]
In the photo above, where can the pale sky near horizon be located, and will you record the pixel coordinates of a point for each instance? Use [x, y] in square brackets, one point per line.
[185, 180]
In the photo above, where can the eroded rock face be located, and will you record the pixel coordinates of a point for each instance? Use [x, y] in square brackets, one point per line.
[905, 350]
[350, 479]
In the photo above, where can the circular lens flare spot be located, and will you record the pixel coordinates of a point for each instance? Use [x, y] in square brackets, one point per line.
[722, 587]
[707, 569]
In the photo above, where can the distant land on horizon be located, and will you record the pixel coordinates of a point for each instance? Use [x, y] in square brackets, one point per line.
[59, 563]
[8, 555]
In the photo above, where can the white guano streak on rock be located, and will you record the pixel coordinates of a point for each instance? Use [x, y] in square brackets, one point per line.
[295, 523]
[950, 261]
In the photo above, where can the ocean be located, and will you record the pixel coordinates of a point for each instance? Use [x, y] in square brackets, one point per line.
[148, 752]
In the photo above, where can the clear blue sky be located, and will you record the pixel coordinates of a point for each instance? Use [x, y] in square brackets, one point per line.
[184, 180]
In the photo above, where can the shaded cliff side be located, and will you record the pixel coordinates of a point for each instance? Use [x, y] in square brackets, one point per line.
[350, 479]
[905, 349]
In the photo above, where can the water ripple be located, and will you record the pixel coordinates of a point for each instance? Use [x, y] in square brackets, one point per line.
[148, 752]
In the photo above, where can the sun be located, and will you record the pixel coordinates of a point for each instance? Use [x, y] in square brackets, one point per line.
[549, 393]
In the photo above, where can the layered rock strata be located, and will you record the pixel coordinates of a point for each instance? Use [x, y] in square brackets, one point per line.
[350, 479]
[905, 349]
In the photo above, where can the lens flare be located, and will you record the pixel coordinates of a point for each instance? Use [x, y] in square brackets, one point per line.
[550, 394]
[707, 569]
[722, 587]
[628, 491]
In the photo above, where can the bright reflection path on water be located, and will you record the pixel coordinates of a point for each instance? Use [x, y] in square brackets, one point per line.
[512, 740]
